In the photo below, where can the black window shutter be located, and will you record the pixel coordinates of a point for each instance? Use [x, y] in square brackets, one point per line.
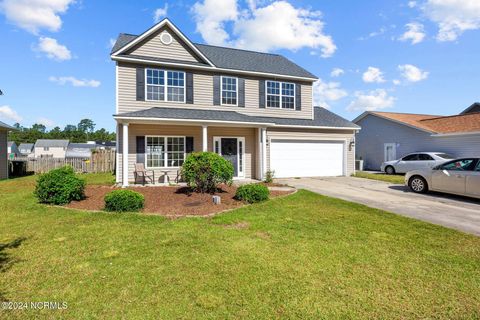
[189, 88]
[298, 96]
[140, 149]
[140, 84]
[216, 90]
[188, 144]
[261, 93]
[241, 92]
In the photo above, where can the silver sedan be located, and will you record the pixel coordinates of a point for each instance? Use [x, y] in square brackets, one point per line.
[461, 177]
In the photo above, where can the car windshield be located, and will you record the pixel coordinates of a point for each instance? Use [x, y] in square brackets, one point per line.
[444, 155]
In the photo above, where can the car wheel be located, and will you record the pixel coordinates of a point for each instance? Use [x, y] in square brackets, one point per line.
[418, 184]
[390, 170]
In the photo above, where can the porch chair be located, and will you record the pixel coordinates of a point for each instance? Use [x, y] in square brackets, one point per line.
[143, 173]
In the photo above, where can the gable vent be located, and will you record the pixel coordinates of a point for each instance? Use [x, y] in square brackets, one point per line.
[166, 38]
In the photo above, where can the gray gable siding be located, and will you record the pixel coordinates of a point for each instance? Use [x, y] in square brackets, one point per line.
[376, 132]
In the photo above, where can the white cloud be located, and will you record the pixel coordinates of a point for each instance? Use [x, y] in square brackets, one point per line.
[412, 73]
[374, 34]
[412, 4]
[33, 15]
[111, 42]
[210, 18]
[373, 75]
[415, 33]
[8, 113]
[370, 101]
[46, 122]
[160, 13]
[278, 25]
[453, 17]
[53, 49]
[396, 82]
[75, 82]
[325, 92]
[336, 72]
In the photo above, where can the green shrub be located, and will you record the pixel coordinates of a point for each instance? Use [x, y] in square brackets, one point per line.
[252, 193]
[124, 201]
[60, 186]
[204, 171]
[269, 176]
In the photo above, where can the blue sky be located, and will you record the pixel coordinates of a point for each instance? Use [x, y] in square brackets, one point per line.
[403, 56]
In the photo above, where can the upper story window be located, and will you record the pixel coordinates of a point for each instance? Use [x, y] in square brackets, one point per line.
[173, 89]
[229, 90]
[280, 95]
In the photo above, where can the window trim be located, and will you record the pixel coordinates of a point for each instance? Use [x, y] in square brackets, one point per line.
[221, 91]
[281, 95]
[165, 86]
[165, 152]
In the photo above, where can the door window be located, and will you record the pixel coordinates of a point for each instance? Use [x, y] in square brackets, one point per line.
[424, 157]
[459, 165]
[478, 166]
[411, 157]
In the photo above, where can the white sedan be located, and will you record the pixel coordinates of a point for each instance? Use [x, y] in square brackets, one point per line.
[461, 177]
[414, 161]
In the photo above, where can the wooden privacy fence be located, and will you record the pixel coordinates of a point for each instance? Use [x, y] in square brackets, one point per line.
[100, 161]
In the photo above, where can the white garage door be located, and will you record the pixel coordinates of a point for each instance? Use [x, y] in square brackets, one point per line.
[306, 158]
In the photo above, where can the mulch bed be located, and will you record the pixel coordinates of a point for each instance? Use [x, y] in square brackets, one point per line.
[169, 201]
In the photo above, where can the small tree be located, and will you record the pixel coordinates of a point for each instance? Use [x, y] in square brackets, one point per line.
[204, 171]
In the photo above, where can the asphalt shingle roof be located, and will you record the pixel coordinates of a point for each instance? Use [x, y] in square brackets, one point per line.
[51, 143]
[26, 146]
[322, 117]
[237, 59]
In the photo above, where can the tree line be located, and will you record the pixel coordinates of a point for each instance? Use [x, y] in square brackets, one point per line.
[82, 132]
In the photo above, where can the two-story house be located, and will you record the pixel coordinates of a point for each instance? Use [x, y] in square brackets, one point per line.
[255, 109]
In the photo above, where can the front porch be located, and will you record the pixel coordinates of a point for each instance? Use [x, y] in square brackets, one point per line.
[163, 146]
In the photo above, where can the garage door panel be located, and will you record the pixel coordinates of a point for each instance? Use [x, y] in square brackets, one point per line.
[306, 158]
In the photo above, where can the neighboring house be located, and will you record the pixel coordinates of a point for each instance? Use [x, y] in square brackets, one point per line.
[80, 150]
[13, 150]
[106, 145]
[50, 148]
[255, 109]
[4, 128]
[26, 149]
[388, 136]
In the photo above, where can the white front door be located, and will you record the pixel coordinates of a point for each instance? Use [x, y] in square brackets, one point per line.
[390, 151]
[233, 150]
[307, 158]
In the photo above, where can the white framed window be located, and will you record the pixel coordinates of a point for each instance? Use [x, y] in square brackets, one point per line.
[229, 91]
[164, 151]
[280, 95]
[164, 85]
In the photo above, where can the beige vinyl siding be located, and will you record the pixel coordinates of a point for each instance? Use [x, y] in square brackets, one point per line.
[316, 134]
[135, 130]
[57, 152]
[153, 47]
[3, 155]
[203, 96]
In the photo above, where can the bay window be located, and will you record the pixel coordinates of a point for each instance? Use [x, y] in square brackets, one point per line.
[280, 95]
[164, 152]
[163, 85]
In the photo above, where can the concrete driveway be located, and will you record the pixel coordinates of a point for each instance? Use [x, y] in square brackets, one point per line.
[450, 211]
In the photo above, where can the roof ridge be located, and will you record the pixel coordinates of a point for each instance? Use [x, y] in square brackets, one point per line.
[245, 50]
[408, 113]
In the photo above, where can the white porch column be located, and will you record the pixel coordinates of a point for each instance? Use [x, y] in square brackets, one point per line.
[204, 138]
[125, 155]
[263, 153]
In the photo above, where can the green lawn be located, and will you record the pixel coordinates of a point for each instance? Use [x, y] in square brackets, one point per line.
[392, 178]
[303, 256]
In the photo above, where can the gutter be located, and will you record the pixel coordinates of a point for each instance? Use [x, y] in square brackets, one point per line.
[454, 134]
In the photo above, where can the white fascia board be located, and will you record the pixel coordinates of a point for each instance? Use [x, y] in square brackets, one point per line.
[190, 66]
[453, 134]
